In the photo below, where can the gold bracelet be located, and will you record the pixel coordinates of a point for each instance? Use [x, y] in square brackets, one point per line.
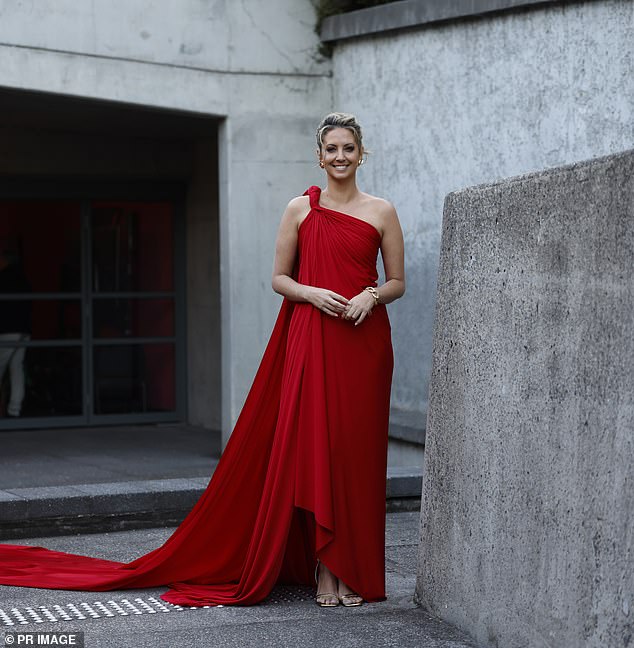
[373, 291]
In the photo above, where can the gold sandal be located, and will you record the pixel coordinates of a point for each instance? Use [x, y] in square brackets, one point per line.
[348, 600]
[345, 597]
[319, 598]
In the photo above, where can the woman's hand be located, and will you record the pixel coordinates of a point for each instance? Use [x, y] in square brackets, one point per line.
[326, 300]
[359, 307]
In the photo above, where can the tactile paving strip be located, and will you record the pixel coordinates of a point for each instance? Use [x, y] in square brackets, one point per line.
[126, 607]
[81, 611]
[290, 594]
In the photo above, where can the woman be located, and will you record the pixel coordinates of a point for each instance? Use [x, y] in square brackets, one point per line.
[301, 482]
[361, 374]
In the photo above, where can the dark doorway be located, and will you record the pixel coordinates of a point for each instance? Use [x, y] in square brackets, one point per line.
[91, 311]
[109, 331]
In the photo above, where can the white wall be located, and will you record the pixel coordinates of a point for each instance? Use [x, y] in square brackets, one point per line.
[209, 35]
[460, 103]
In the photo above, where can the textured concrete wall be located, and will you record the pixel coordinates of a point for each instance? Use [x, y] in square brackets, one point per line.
[411, 13]
[527, 517]
[459, 103]
[253, 64]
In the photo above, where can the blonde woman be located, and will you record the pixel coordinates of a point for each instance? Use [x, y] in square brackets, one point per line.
[299, 492]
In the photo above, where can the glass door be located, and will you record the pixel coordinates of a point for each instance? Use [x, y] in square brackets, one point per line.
[41, 324]
[133, 308]
[90, 313]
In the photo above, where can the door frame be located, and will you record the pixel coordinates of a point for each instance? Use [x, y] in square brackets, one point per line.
[84, 190]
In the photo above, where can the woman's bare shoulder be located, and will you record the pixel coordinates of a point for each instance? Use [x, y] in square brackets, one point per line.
[379, 206]
[297, 210]
[298, 205]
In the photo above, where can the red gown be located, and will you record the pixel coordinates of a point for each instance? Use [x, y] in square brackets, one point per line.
[303, 473]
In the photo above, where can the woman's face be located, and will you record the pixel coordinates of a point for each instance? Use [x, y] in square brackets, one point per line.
[340, 153]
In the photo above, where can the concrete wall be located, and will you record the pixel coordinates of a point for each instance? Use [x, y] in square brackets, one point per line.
[450, 104]
[251, 64]
[527, 516]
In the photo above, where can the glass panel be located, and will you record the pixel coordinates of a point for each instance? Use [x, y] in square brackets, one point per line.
[42, 319]
[132, 247]
[134, 378]
[133, 317]
[40, 381]
[40, 246]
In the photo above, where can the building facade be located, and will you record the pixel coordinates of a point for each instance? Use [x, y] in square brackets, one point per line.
[148, 152]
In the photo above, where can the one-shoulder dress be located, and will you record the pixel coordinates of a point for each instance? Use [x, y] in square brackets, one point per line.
[303, 475]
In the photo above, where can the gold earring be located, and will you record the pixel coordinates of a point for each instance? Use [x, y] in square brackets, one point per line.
[321, 164]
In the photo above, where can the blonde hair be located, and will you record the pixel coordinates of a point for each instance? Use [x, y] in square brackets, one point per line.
[339, 120]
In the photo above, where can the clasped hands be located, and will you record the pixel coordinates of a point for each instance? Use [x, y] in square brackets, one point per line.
[335, 305]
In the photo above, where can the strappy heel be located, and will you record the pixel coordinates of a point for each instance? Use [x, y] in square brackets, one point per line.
[347, 600]
[319, 599]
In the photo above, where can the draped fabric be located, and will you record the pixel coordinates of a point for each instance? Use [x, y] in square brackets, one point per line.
[303, 474]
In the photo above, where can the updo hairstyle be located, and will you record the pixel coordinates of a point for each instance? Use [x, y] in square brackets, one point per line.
[340, 120]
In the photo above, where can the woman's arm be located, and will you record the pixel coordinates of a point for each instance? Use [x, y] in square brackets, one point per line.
[393, 254]
[285, 253]
[392, 251]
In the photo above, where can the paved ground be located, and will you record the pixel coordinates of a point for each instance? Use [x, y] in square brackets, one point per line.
[289, 617]
[62, 457]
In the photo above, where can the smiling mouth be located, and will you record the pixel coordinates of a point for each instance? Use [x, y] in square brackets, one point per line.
[340, 167]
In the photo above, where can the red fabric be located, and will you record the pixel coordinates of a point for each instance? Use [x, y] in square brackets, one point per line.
[303, 474]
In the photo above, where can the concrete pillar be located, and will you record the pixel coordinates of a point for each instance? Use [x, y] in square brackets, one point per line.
[527, 518]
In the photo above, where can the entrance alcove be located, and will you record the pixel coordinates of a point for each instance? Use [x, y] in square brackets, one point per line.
[111, 213]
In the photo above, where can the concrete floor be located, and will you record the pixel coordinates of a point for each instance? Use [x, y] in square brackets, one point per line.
[61, 457]
[288, 617]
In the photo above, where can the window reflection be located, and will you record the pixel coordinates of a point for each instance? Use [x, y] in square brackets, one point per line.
[50, 383]
[132, 247]
[49, 319]
[116, 318]
[134, 378]
[46, 238]
[57, 259]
